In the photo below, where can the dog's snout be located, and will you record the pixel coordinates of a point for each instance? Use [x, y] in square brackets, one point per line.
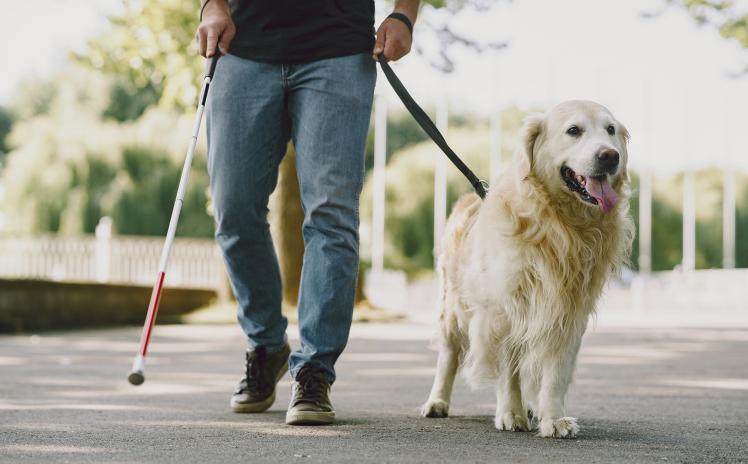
[608, 159]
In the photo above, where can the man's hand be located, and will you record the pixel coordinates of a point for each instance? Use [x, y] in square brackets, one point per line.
[216, 28]
[393, 36]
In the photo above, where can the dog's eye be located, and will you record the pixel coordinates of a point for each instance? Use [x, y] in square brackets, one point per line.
[611, 130]
[574, 131]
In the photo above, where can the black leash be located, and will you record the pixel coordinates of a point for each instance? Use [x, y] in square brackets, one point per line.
[480, 186]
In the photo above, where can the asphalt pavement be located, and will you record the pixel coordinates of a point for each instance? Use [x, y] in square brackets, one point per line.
[641, 395]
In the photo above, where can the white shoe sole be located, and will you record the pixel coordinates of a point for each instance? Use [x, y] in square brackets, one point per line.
[310, 417]
[259, 406]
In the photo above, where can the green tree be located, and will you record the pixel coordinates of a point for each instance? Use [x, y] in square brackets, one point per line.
[726, 15]
[409, 201]
[150, 47]
[741, 223]
[6, 123]
[33, 97]
[69, 167]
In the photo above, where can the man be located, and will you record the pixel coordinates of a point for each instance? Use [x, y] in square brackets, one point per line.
[299, 70]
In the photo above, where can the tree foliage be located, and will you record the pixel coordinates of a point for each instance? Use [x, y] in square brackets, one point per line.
[69, 166]
[730, 17]
[150, 47]
[409, 209]
[6, 123]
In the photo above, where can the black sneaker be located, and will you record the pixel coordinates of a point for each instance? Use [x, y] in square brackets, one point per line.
[256, 391]
[310, 399]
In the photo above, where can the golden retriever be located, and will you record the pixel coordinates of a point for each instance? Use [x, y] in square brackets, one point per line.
[521, 271]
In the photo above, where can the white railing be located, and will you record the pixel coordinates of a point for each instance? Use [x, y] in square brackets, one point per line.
[194, 263]
[703, 289]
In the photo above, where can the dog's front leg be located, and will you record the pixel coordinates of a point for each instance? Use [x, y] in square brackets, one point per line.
[556, 376]
[446, 368]
[510, 412]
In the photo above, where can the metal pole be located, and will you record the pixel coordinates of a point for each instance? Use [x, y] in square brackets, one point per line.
[380, 160]
[729, 191]
[689, 221]
[645, 190]
[645, 222]
[728, 219]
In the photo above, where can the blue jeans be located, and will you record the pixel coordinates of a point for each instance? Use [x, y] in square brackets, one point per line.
[253, 110]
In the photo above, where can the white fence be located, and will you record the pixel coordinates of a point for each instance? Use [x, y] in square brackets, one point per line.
[709, 290]
[194, 263]
[718, 295]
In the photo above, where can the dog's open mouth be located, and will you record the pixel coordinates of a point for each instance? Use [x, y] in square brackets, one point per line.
[595, 190]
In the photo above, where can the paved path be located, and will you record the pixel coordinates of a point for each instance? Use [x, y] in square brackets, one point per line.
[641, 395]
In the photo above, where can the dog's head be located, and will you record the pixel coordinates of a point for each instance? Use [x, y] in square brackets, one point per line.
[579, 149]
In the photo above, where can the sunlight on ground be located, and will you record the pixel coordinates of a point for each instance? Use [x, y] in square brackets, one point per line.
[34, 406]
[148, 388]
[720, 384]
[53, 449]
[269, 428]
[385, 357]
[398, 372]
[47, 427]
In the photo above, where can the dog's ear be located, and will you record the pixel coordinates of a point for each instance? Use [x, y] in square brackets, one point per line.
[624, 133]
[532, 128]
[625, 137]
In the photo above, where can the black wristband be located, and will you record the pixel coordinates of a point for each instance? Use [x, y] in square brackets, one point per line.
[202, 8]
[404, 19]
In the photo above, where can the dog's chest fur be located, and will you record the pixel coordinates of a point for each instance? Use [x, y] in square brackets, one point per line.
[534, 264]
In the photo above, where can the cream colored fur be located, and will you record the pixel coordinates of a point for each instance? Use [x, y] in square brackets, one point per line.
[521, 272]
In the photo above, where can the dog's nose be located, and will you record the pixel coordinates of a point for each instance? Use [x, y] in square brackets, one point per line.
[608, 159]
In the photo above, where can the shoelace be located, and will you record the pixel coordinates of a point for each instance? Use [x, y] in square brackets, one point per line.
[255, 365]
[312, 385]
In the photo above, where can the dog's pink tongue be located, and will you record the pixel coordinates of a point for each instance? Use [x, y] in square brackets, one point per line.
[602, 191]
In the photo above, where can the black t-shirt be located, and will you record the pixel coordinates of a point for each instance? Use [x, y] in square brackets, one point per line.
[298, 31]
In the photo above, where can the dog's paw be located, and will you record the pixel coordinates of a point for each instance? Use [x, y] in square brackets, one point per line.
[512, 421]
[435, 408]
[564, 427]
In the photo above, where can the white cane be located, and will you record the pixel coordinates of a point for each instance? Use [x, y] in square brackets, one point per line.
[137, 375]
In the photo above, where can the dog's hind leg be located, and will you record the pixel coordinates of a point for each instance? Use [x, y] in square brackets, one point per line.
[446, 364]
[510, 412]
[446, 369]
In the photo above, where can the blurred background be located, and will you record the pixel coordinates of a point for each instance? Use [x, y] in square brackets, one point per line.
[96, 105]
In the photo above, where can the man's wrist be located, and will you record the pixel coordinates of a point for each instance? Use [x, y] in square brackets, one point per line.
[404, 19]
[209, 4]
[407, 7]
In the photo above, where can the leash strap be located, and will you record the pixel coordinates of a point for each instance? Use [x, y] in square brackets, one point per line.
[480, 186]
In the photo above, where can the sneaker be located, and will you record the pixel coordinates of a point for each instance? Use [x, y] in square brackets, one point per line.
[310, 399]
[256, 391]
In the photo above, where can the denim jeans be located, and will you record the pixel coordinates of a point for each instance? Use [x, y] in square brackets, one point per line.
[253, 110]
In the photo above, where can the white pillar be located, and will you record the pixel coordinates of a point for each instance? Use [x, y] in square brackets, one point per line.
[440, 179]
[645, 221]
[378, 197]
[640, 284]
[495, 143]
[103, 248]
[729, 192]
[646, 179]
[689, 221]
[728, 219]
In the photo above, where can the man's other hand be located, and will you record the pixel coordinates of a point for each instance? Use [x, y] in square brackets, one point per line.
[216, 28]
[394, 39]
